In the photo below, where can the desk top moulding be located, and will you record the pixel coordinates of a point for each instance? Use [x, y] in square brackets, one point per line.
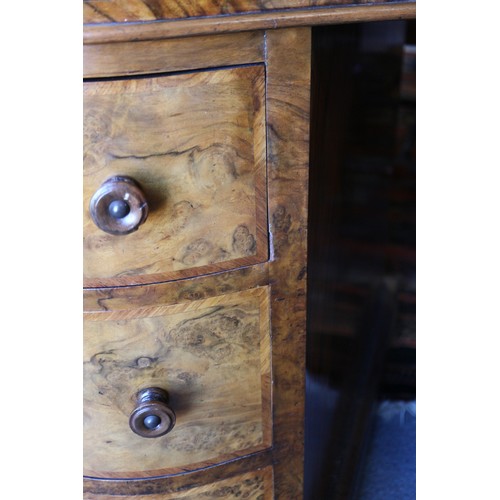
[118, 20]
[105, 11]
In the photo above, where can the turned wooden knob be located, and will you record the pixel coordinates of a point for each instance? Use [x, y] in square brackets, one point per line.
[119, 206]
[152, 417]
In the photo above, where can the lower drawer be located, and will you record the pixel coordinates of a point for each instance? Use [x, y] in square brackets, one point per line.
[255, 485]
[211, 356]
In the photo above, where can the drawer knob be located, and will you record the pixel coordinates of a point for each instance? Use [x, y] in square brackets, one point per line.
[119, 206]
[152, 417]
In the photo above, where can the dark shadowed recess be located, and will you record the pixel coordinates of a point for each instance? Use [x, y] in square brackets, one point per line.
[361, 343]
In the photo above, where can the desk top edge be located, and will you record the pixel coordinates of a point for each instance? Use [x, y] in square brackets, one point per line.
[114, 31]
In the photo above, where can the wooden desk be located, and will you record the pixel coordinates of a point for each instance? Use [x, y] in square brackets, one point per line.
[196, 154]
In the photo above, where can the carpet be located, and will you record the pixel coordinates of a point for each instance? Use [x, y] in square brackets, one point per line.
[389, 471]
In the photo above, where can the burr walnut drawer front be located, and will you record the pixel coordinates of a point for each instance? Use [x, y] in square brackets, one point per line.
[174, 175]
[254, 485]
[174, 388]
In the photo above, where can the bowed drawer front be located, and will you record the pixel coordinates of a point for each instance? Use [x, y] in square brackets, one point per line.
[212, 358]
[255, 485]
[194, 147]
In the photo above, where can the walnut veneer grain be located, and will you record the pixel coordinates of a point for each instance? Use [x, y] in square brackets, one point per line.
[134, 309]
[255, 485]
[105, 11]
[195, 142]
[175, 292]
[213, 358]
[182, 326]
[248, 21]
[288, 99]
[166, 55]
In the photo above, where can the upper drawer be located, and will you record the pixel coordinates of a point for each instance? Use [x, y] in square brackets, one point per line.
[195, 144]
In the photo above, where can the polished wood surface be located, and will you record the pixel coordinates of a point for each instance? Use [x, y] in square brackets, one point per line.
[284, 275]
[271, 41]
[288, 82]
[268, 20]
[195, 142]
[151, 56]
[106, 11]
[256, 485]
[193, 351]
[166, 485]
[175, 292]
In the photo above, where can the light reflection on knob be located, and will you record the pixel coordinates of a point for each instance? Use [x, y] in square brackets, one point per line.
[152, 417]
[152, 421]
[119, 209]
[119, 206]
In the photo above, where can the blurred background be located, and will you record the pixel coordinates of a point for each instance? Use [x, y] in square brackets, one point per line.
[361, 338]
